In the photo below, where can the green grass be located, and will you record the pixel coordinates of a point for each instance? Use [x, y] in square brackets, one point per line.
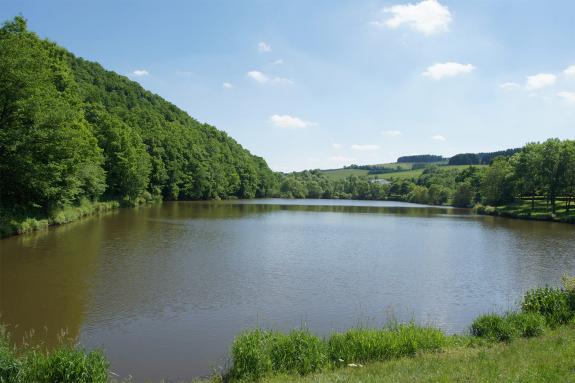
[338, 174]
[522, 209]
[548, 358]
[64, 364]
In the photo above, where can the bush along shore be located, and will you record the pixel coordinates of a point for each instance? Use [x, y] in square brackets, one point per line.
[13, 224]
[261, 354]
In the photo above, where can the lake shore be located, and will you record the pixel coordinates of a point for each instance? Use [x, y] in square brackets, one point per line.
[523, 210]
[546, 358]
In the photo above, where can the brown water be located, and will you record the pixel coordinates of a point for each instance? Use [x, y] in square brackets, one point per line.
[164, 289]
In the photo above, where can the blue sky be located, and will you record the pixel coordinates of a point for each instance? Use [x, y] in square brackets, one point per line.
[321, 84]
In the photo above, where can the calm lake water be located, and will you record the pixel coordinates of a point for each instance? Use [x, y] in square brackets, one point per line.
[164, 289]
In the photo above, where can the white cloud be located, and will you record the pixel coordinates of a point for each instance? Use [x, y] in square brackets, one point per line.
[448, 69]
[258, 76]
[567, 96]
[570, 71]
[140, 72]
[540, 80]
[427, 17]
[509, 86]
[263, 78]
[337, 146]
[290, 122]
[227, 85]
[264, 47]
[438, 137]
[364, 147]
[277, 62]
[391, 133]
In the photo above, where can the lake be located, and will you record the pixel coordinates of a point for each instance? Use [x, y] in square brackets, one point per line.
[164, 289]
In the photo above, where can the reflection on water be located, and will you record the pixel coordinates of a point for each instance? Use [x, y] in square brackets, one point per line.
[164, 289]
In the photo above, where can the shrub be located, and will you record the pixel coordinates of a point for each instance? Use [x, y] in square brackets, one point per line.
[553, 304]
[493, 326]
[527, 324]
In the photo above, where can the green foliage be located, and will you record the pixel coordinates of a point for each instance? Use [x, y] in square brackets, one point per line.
[63, 364]
[463, 195]
[527, 324]
[72, 131]
[298, 352]
[259, 353]
[553, 303]
[251, 355]
[364, 345]
[493, 326]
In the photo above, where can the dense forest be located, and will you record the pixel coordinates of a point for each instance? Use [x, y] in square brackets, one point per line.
[480, 158]
[73, 132]
[423, 158]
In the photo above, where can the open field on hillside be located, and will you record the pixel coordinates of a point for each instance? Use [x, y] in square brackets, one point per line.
[405, 174]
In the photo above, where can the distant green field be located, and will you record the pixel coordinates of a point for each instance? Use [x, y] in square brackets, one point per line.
[406, 174]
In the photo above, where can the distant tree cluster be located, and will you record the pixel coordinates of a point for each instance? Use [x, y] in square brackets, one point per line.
[423, 158]
[71, 130]
[480, 158]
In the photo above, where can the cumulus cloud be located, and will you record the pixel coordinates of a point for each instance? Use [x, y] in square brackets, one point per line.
[427, 17]
[264, 78]
[567, 96]
[337, 146]
[290, 122]
[391, 133]
[227, 85]
[509, 86]
[570, 71]
[264, 47]
[140, 72]
[364, 147]
[448, 69]
[258, 76]
[540, 80]
[438, 137]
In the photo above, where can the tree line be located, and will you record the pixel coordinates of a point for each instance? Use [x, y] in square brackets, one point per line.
[542, 171]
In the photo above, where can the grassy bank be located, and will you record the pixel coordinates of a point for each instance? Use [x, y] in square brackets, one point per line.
[12, 224]
[523, 210]
[548, 358]
[263, 354]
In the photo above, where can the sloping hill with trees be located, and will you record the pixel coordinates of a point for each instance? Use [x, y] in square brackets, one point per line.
[73, 134]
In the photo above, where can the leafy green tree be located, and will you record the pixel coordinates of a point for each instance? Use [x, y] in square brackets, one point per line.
[497, 183]
[463, 195]
[127, 163]
[47, 150]
[527, 167]
[552, 170]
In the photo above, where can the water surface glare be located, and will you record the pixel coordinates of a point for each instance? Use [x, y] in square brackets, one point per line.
[164, 289]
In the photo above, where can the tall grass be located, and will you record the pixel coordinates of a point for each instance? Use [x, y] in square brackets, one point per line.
[258, 352]
[65, 364]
